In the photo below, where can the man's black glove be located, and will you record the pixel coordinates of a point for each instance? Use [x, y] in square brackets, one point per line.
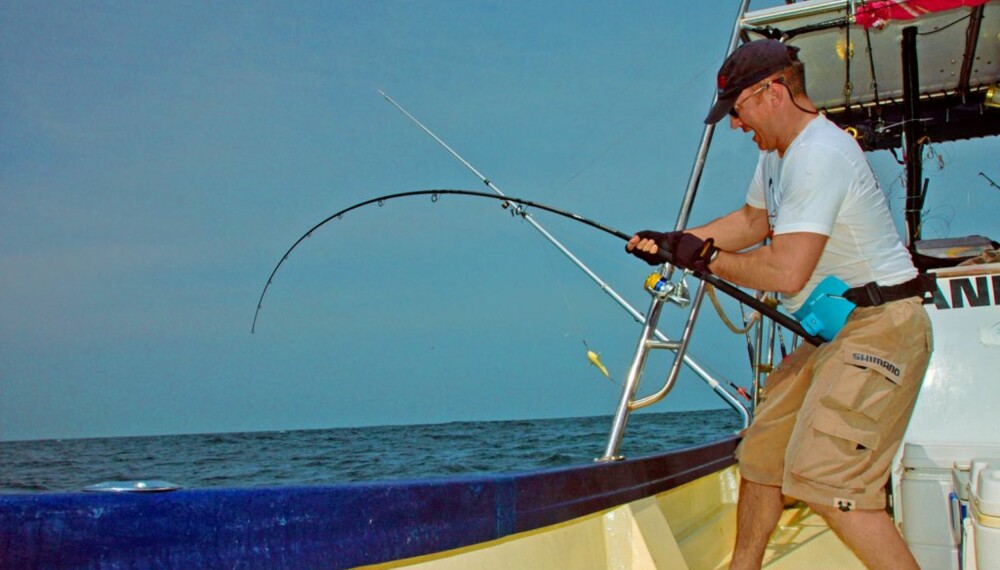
[691, 252]
[664, 243]
[684, 250]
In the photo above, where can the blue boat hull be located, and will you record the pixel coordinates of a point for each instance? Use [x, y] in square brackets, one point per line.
[340, 526]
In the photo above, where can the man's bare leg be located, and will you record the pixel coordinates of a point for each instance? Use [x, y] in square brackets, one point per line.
[757, 513]
[871, 535]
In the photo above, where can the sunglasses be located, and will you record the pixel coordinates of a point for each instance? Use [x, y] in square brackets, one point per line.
[734, 112]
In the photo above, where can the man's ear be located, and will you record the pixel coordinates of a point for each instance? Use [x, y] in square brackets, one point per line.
[776, 95]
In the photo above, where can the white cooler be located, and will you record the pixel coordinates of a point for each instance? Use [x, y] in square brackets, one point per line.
[935, 500]
[984, 512]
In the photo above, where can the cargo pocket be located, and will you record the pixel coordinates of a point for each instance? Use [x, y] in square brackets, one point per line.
[865, 385]
[837, 450]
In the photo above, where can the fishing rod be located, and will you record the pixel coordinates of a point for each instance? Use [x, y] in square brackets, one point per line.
[727, 288]
[434, 194]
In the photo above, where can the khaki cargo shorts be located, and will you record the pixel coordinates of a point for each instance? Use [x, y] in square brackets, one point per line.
[832, 417]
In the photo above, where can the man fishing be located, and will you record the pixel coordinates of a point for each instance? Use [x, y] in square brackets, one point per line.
[832, 416]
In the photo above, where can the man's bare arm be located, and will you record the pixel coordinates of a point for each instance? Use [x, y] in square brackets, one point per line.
[737, 230]
[784, 265]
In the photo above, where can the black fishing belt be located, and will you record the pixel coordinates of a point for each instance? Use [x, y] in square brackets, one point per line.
[873, 294]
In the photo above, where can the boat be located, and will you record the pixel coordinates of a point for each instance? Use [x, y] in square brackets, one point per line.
[932, 74]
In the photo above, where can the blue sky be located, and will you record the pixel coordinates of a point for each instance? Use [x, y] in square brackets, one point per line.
[158, 158]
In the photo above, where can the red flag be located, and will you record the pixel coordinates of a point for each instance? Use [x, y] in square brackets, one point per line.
[876, 14]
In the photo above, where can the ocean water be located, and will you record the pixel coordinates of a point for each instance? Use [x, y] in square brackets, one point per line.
[342, 455]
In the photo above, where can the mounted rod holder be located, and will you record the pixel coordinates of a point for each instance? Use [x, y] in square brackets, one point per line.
[628, 402]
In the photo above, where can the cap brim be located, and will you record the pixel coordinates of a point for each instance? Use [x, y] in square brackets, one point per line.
[720, 110]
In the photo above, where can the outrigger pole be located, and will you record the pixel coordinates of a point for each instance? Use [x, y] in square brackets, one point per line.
[699, 371]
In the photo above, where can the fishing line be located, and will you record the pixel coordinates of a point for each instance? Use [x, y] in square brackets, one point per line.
[572, 315]
[576, 325]
[636, 125]
[727, 288]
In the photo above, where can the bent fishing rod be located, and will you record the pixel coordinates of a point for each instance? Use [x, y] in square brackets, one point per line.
[724, 286]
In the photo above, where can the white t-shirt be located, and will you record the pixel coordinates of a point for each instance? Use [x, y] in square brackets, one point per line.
[824, 185]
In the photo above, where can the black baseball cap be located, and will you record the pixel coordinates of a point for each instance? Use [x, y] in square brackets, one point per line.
[750, 63]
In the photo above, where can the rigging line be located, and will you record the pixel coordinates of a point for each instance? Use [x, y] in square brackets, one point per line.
[946, 26]
[724, 286]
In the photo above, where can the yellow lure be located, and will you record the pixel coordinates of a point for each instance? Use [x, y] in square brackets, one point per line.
[595, 359]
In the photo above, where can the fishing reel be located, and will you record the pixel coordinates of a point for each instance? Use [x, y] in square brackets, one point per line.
[662, 288]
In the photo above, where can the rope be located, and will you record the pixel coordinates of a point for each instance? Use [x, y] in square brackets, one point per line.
[754, 317]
